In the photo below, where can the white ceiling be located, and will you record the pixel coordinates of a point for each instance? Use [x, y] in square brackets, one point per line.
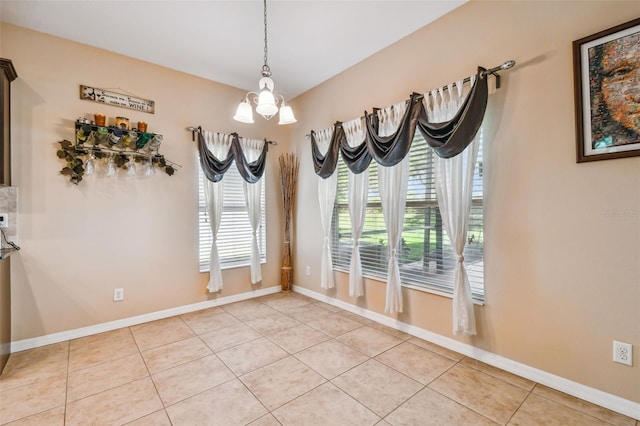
[309, 40]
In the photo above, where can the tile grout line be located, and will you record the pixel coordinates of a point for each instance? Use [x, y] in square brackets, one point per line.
[426, 386]
[301, 350]
[293, 356]
[299, 396]
[184, 363]
[238, 377]
[150, 379]
[422, 387]
[476, 368]
[39, 381]
[269, 412]
[405, 374]
[195, 335]
[529, 392]
[459, 362]
[572, 408]
[101, 362]
[235, 375]
[352, 368]
[325, 299]
[519, 406]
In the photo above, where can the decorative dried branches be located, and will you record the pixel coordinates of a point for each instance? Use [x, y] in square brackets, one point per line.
[288, 178]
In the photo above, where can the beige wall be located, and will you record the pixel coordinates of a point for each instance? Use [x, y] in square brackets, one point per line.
[562, 279]
[81, 242]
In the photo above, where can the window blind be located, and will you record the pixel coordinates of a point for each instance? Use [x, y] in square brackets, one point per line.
[426, 257]
[234, 235]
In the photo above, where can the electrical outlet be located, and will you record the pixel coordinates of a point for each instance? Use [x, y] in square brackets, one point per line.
[118, 294]
[308, 271]
[623, 353]
[4, 220]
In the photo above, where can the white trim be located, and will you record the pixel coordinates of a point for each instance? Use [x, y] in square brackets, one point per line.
[477, 300]
[433, 290]
[424, 288]
[595, 396]
[62, 336]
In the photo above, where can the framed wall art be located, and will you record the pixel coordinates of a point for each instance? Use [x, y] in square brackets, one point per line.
[606, 68]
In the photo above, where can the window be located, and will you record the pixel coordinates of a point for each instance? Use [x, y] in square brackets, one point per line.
[426, 258]
[234, 235]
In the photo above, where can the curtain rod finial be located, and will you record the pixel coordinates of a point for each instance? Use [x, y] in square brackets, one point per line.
[509, 64]
[193, 131]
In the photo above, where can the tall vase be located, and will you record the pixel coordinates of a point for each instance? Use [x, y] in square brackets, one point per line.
[286, 277]
[288, 178]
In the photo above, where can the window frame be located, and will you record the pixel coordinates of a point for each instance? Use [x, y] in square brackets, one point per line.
[341, 263]
[204, 241]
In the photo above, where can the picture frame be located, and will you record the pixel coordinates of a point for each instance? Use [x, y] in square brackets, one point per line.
[606, 70]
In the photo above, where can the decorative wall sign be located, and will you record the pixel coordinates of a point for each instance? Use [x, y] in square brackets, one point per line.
[606, 68]
[116, 99]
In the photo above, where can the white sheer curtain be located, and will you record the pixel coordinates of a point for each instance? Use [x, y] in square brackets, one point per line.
[219, 145]
[252, 191]
[454, 187]
[327, 189]
[393, 182]
[358, 196]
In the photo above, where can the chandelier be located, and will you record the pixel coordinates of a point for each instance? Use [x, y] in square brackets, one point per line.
[266, 101]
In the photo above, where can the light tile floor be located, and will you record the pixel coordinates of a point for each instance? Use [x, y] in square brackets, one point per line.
[280, 359]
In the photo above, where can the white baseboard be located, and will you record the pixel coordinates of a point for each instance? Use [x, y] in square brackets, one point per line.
[595, 396]
[62, 336]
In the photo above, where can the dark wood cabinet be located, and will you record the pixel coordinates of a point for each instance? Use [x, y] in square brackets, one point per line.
[7, 75]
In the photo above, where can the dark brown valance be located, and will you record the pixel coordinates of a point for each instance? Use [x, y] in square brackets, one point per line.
[214, 169]
[447, 139]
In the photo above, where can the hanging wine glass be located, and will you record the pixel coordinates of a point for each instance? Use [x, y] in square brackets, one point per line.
[131, 167]
[111, 166]
[149, 169]
[89, 166]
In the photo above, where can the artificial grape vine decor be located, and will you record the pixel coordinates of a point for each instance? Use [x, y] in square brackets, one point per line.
[122, 151]
[75, 159]
[75, 166]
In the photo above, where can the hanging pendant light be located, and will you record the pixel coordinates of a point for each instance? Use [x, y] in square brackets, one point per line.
[268, 104]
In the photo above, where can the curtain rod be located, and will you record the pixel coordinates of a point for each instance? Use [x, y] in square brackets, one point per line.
[492, 71]
[198, 129]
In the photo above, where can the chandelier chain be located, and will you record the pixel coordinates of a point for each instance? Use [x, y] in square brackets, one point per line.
[268, 103]
[266, 71]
